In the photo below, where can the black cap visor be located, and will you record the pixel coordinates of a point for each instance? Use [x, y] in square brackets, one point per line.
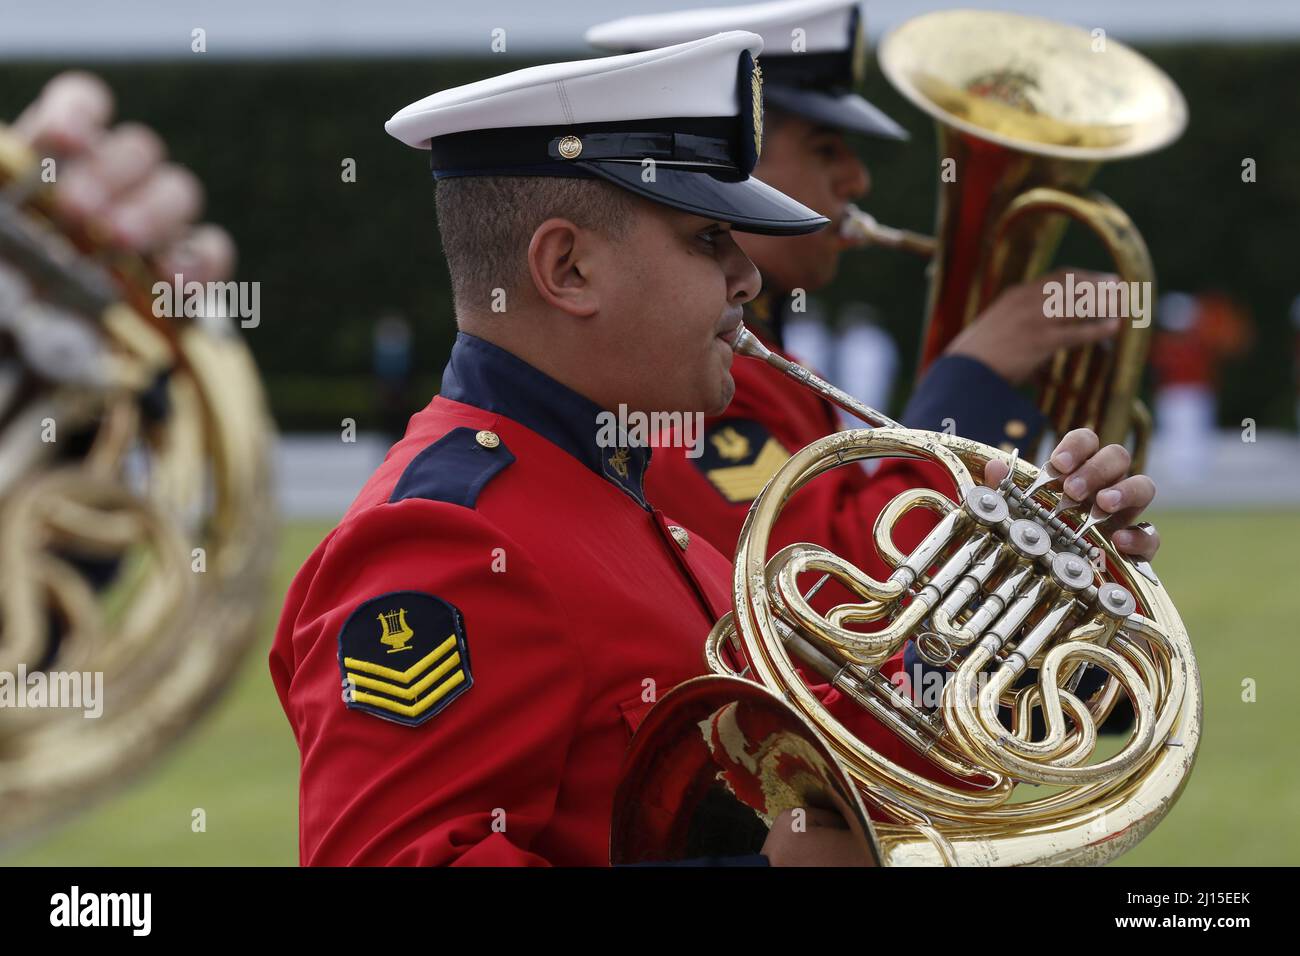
[846, 111]
[750, 205]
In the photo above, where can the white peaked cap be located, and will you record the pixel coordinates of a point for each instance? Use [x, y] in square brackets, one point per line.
[825, 25]
[681, 126]
[812, 54]
[697, 78]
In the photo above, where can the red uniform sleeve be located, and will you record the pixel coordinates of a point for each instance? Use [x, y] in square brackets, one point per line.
[475, 783]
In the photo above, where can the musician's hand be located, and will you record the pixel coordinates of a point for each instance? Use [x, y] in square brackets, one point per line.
[1098, 474]
[119, 179]
[1013, 336]
[823, 840]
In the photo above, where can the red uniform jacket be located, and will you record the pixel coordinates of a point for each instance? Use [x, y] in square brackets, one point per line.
[464, 658]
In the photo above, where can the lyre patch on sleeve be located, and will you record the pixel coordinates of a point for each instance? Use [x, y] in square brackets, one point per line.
[739, 456]
[403, 657]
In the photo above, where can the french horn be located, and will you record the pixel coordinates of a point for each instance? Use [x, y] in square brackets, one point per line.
[136, 509]
[1008, 579]
[1026, 110]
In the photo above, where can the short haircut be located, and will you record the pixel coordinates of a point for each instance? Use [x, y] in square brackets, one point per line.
[486, 223]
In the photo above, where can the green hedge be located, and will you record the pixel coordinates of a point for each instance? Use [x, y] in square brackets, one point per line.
[268, 139]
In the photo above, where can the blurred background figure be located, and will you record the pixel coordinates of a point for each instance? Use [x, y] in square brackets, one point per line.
[392, 365]
[867, 358]
[808, 335]
[1195, 336]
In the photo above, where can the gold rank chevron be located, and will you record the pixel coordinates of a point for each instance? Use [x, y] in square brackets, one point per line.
[398, 683]
[744, 482]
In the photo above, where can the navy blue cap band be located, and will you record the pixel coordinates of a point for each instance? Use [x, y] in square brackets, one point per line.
[709, 143]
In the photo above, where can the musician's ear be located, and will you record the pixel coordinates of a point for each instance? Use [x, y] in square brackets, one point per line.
[560, 256]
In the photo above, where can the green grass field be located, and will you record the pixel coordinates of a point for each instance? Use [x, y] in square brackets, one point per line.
[1229, 574]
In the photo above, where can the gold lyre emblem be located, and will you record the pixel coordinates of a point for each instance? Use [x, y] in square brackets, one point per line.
[618, 461]
[756, 90]
[731, 444]
[394, 631]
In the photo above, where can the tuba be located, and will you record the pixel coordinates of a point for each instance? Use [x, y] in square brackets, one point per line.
[1007, 580]
[1026, 110]
[136, 509]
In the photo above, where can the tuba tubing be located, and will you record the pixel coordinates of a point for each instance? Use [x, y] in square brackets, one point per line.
[1025, 113]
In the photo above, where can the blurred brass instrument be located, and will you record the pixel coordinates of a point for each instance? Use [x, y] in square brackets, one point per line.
[136, 509]
[1026, 110]
[1001, 584]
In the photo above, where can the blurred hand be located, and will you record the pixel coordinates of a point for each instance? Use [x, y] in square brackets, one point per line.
[119, 180]
[825, 840]
[1013, 336]
[1096, 474]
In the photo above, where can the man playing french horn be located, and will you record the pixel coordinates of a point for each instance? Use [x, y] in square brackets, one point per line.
[507, 753]
[500, 744]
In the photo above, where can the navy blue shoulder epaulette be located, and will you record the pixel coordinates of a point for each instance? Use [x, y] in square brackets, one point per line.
[455, 468]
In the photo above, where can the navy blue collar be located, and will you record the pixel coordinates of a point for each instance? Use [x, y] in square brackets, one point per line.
[488, 377]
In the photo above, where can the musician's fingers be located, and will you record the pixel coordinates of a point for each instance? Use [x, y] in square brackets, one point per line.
[994, 472]
[1141, 541]
[68, 116]
[206, 254]
[1074, 449]
[1067, 333]
[1100, 471]
[158, 210]
[119, 162]
[1127, 499]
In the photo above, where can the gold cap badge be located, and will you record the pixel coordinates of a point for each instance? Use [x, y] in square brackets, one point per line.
[570, 147]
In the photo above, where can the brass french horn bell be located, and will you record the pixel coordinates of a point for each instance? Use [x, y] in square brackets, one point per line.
[1003, 583]
[1026, 110]
[136, 508]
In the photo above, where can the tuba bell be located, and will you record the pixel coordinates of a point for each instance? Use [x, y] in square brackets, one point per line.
[1005, 581]
[1026, 110]
[136, 509]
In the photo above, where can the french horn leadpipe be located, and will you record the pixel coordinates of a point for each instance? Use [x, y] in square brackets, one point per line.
[1008, 580]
